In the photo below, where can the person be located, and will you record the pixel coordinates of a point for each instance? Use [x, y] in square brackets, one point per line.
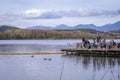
[98, 40]
[112, 43]
[95, 43]
[83, 42]
[103, 44]
[87, 44]
[118, 45]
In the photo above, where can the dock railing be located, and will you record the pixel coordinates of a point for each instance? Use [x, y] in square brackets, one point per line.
[71, 45]
[78, 48]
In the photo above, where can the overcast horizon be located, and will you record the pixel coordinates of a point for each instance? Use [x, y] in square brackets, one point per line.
[27, 13]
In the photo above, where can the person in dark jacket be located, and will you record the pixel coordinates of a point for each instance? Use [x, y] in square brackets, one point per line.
[87, 44]
[118, 45]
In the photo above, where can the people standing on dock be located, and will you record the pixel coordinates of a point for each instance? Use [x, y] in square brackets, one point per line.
[98, 43]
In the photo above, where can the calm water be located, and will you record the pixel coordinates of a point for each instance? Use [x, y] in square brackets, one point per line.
[50, 67]
[37, 45]
[34, 45]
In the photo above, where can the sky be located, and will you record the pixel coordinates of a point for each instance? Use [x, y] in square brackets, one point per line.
[27, 13]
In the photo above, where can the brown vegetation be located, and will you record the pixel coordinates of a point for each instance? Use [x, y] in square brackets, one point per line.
[53, 34]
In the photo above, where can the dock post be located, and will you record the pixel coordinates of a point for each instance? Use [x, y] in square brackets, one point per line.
[66, 52]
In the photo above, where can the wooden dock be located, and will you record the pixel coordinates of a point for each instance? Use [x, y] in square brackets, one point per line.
[105, 52]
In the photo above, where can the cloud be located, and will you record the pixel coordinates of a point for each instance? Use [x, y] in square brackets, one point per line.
[51, 14]
[40, 14]
[9, 17]
[88, 12]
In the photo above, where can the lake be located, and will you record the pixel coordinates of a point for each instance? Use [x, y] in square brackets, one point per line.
[53, 66]
[37, 45]
[34, 45]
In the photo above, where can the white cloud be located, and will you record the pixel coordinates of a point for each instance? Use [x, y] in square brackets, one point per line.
[51, 14]
[40, 14]
[34, 12]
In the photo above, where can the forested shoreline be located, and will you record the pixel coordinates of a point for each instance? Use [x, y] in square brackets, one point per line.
[54, 34]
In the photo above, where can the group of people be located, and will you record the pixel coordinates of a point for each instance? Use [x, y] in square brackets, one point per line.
[99, 43]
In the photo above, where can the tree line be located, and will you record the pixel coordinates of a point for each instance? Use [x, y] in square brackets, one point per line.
[53, 34]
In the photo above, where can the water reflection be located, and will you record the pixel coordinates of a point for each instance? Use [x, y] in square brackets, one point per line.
[98, 63]
[40, 67]
[101, 68]
[29, 47]
[19, 48]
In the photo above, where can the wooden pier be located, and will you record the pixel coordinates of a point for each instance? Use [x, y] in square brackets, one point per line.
[105, 52]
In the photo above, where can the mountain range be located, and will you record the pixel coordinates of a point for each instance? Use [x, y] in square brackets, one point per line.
[105, 28]
[5, 27]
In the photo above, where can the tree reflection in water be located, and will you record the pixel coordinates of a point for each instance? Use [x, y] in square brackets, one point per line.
[105, 66]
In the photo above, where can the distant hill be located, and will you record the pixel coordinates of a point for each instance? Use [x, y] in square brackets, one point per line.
[105, 28]
[86, 26]
[41, 27]
[4, 28]
[58, 32]
[62, 27]
[109, 27]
